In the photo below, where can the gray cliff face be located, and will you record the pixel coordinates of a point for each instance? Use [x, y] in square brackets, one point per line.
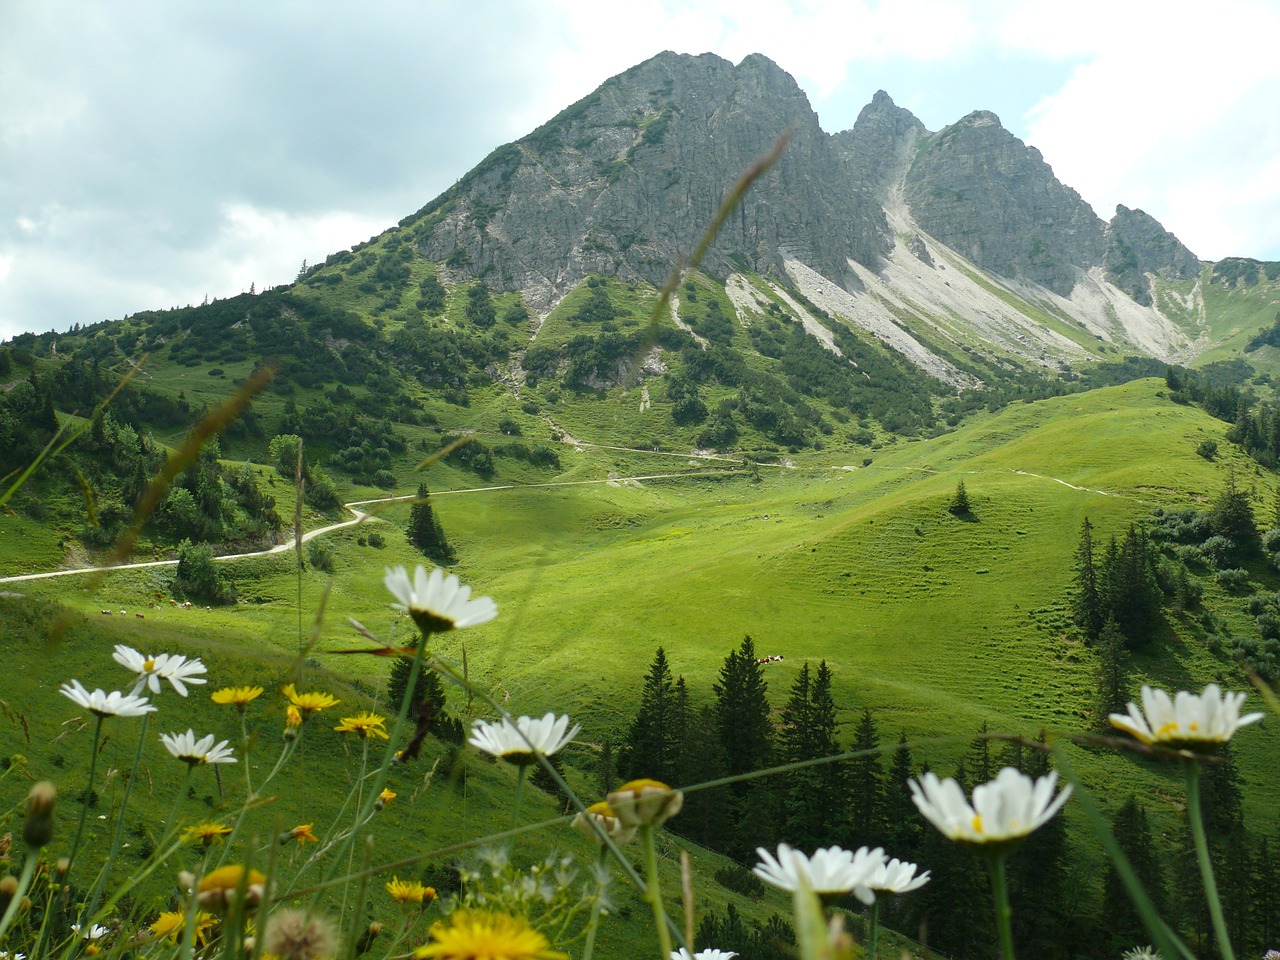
[881, 145]
[989, 196]
[1137, 245]
[626, 180]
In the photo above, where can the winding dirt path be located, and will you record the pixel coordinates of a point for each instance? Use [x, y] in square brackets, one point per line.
[360, 516]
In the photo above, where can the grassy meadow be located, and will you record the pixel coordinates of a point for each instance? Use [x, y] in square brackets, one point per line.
[936, 624]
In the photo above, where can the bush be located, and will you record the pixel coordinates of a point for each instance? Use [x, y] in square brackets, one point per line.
[1234, 581]
[741, 881]
[198, 576]
[320, 556]
[377, 541]
[1208, 449]
[1218, 550]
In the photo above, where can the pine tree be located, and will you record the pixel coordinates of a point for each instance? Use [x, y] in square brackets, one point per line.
[808, 733]
[650, 746]
[960, 504]
[1111, 695]
[978, 761]
[866, 787]
[1232, 517]
[1133, 835]
[1086, 604]
[742, 711]
[425, 531]
[1265, 890]
[902, 819]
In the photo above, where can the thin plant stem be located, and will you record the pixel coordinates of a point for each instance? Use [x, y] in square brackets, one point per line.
[24, 884]
[88, 796]
[351, 851]
[873, 928]
[171, 824]
[653, 892]
[515, 806]
[124, 806]
[380, 777]
[1192, 770]
[285, 753]
[1004, 915]
[593, 923]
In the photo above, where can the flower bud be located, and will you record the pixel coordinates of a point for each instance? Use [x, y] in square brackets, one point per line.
[38, 830]
[645, 803]
[8, 887]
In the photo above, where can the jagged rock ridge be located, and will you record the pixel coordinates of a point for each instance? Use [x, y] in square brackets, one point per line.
[624, 181]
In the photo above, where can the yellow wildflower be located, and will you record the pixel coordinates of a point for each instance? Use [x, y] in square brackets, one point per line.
[302, 833]
[410, 891]
[237, 697]
[170, 923]
[477, 935]
[309, 702]
[366, 724]
[206, 833]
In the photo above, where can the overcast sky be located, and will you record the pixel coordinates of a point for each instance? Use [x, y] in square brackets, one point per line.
[155, 151]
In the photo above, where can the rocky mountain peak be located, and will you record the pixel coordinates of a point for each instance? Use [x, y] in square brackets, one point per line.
[985, 193]
[1137, 245]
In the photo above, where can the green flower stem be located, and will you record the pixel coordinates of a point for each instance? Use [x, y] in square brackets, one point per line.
[1004, 915]
[88, 796]
[24, 884]
[285, 753]
[124, 805]
[515, 806]
[873, 928]
[1192, 770]
[380, 778]
[653, 892]
[594, 923]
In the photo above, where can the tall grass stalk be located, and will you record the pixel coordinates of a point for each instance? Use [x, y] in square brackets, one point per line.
[1191, 770]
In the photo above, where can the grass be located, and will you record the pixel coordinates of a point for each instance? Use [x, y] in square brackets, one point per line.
[935, 624]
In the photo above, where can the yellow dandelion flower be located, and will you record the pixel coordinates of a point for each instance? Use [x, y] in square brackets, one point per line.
[477, 935]
[170, 923]
[292, 718]
[410, 891]
[237, 697]
[309, 702]
[387, 795]
[206, 833]
[366, 724]
[302, 833]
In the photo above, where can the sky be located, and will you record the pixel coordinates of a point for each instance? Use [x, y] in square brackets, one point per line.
[153, 152]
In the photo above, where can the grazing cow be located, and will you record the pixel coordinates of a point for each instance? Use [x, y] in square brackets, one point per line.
[124, 613]
[141, 616]
[106, 613]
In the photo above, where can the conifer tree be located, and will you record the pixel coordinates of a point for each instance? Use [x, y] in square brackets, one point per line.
[1133, 835]
[1265, 894]
[902, 819]
[742, 711]
[866, 788]
[808, 733]
[1086, 604]
[425, 531]
[1111, 694]
[650, 746]
[979, 762]
[960, 504]
[1232, 517]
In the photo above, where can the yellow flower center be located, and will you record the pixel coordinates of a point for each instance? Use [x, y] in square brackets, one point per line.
[149, 666]
[976, 824]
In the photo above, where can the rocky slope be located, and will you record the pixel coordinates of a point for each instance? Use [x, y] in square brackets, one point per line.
[624, 181]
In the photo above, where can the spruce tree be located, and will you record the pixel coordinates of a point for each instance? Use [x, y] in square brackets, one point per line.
[425, 531]
[1133, 836]
[808, 733]
[866, 787]
[1111, 694]
[902, 819]
[1086, 604]
[742, 711]
[650, 746]
[960, 504]
[1232, 517]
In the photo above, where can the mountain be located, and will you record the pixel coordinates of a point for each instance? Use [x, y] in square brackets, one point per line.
[894, 218]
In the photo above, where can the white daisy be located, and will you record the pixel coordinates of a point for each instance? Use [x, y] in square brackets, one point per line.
[683, 954]
[188, 749]
[521, 742]
[437, 602]
[831, 870]
[1006, 809]
[114, 704]
[1188, 721]
[897, 876]
[95, 932]
[175, 668]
